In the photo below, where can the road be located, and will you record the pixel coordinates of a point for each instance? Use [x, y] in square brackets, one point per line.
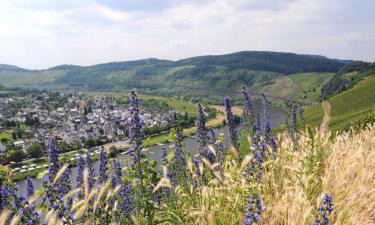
[325, 121]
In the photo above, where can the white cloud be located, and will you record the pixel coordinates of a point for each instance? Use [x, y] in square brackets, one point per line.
[85, 32]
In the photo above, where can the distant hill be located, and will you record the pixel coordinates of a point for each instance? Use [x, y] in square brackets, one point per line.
[10, 68]
[211, 75]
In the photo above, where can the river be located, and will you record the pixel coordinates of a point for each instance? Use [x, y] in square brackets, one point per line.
[190, 145]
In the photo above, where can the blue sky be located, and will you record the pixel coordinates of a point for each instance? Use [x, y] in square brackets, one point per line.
[43, 33]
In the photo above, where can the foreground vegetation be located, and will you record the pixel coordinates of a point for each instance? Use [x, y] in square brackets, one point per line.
[245, 177]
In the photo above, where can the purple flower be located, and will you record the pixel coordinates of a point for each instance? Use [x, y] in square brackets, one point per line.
[266, 113]
[232, 130]
[257, 131]
[53, 159]
[103, 167]
[253, 211]
[27, 212]
[247, 114]
[5, 193]
[117, 173]
[164, 159]
[201, 128]
[178, 166]
[80, 167]
[136, 134]
[267, 126]
[325, 209]
[29, 187]
[91, 170]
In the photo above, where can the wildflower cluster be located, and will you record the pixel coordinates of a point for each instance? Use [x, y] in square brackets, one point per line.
[247, 113]
[232, 129]
[29, 187]
[103, 167]
[254, 209]
[325, 210]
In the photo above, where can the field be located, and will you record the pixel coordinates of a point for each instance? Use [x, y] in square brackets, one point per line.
[347, 107]
[176, 104]
[6, 136]
[311, 84]
[304, 87]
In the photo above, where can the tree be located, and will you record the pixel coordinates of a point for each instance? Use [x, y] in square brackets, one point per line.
[35, 151]
[76, 145]
[112, 151]
[16, 155]
[63, 146]
[90, 143]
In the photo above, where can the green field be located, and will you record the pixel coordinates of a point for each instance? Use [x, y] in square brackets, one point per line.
[6, 136]
[304, 87]
[311, 84]
[176, 104]
[348, 107]
[354, 103]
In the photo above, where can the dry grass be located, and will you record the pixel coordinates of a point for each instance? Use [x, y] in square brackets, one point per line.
[292, 188]
[348, 173]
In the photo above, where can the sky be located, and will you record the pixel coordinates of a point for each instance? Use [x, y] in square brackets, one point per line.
[39, 34]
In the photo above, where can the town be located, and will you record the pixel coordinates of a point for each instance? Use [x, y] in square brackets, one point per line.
[76, 120]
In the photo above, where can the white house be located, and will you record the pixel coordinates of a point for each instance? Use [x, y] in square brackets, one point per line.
[19, 144]
[3, 150]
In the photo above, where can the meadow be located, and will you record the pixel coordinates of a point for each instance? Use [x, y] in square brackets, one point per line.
[248, 176]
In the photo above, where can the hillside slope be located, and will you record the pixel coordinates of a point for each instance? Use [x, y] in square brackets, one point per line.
[349, 107]
[347, 77]
[203, 75]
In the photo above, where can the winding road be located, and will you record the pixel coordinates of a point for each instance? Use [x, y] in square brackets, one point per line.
[327, 111]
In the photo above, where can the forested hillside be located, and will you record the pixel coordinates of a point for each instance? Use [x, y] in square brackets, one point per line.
[203, 75]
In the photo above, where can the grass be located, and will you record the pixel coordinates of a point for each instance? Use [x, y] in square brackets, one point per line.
[354, 102]
[347, 107]
[311, 84]
[176, 104]
[343, 168]
[6, 136]
[301, 86]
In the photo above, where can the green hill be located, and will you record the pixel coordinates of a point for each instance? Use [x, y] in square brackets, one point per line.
[347, 77]
[349, 107]
[197, 76]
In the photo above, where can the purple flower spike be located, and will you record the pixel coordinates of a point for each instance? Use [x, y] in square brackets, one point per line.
[232, 130]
